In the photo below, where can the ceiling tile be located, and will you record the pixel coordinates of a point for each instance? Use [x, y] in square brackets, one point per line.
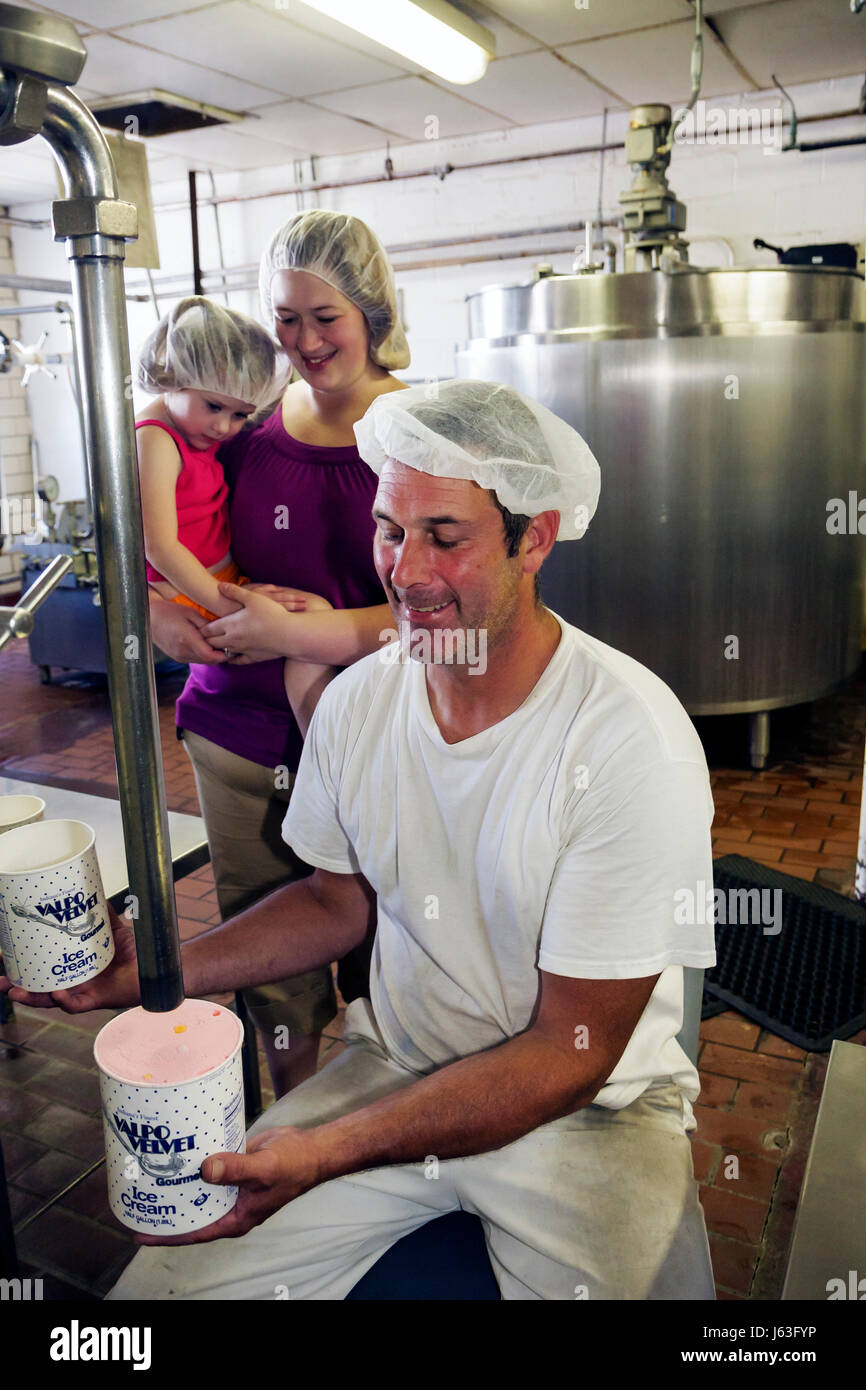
[223, 148]
[115, 67]
[406, 104]
[533, 88]
[316, 131]
[655, 64]
[560, 21]
[108, 14]
[509, 40]
[262, 47]
[799, 40]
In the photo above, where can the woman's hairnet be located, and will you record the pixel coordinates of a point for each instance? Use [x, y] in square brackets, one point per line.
[203, 346]
[343, 252]
[492, 435]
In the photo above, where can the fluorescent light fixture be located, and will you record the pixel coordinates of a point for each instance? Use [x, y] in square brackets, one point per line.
[431, 33]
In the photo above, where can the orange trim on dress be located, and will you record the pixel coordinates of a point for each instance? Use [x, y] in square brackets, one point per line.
[230, 574]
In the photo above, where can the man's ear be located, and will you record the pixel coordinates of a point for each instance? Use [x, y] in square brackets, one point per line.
[539, 540]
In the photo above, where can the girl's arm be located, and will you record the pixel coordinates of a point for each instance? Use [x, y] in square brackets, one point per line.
[159, 465]
[335, 638]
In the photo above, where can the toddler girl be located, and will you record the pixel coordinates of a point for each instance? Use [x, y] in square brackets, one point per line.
[210, 368]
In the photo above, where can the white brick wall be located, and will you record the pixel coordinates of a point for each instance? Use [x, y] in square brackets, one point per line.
[15, 426]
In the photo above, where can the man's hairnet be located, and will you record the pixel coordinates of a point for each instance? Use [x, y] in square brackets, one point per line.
[492, 435]
[203, 346]
[342, 251]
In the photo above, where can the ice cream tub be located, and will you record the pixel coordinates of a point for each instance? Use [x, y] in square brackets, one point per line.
[54, 926]
[19, 810]
[172, 1094]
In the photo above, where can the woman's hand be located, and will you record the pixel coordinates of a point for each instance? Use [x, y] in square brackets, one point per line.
[257, 631]
[115, 988]
[177, 630]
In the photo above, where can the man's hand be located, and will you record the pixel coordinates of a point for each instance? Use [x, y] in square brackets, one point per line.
[115, 988]
[277, 1167]
[176, 629]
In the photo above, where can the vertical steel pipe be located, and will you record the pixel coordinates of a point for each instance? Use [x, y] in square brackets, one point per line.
[91, 223]
[193, 222]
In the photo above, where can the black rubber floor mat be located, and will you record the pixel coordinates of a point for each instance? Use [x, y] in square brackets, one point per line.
[710, 1006]
[796, 964]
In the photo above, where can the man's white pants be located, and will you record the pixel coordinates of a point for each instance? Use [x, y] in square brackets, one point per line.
[599, 1204]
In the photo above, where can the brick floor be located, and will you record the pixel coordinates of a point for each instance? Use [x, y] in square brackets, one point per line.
[759, 1094]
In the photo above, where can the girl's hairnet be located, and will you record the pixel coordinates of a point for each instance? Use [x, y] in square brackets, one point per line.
[203, 346]
[343, 252]
[492, 435]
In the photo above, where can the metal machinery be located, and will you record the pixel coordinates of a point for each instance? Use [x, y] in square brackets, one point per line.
[41, 56]
[726, 409]
[68, 632]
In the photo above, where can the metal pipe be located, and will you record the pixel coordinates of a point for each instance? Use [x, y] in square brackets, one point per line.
[193, 222]
[219, 234]
[18, 621]
[31, 282]
[220, 276]
[31, 223]
[92, 225]
[79, 397]
[440, 171]
[14, 311]
[79, 148]
[830, 144]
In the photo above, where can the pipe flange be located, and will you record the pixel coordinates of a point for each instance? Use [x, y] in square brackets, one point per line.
[94, 216]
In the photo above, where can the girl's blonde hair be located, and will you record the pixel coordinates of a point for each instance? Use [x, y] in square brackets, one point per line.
[203, 346]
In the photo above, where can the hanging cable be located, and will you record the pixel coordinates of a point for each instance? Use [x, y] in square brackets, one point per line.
[697, 68]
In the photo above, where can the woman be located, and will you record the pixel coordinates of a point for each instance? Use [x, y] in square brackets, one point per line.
[300, 516]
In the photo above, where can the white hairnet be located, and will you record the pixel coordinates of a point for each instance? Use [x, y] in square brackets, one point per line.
[343, 252]
[492, 435]
[203, 346]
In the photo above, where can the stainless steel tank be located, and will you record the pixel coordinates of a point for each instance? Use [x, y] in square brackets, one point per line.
[726, 409]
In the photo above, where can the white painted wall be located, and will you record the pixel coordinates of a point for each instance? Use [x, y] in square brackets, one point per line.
[733, 193]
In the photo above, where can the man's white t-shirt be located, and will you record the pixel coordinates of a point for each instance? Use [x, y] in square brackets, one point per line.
[557, 840]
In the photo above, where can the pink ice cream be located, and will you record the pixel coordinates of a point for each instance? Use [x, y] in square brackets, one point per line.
[152, 1049]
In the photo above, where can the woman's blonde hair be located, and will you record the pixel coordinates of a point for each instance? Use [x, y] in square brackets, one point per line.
[346, 254]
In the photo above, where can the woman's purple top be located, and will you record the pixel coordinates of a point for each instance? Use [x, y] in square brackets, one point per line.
[327, 549]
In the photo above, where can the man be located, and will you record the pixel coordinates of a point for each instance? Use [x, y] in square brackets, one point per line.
[523, 824]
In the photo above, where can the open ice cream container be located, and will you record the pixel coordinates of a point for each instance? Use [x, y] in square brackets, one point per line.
[172, 1094]
[19, 810]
